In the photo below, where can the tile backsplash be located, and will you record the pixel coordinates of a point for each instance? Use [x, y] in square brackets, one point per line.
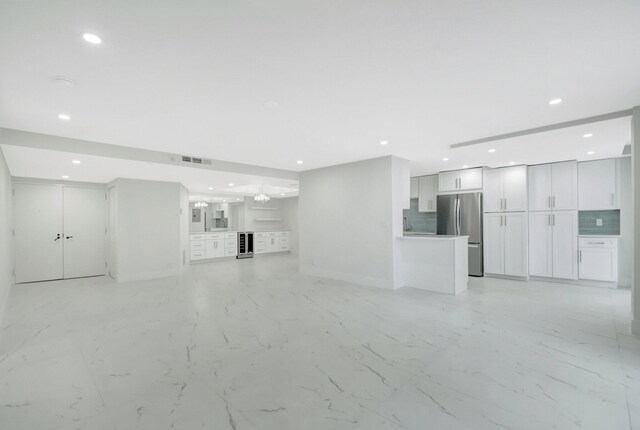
[588, 220]
[424, 222]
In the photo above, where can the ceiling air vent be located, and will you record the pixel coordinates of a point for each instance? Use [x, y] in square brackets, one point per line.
[195, 160]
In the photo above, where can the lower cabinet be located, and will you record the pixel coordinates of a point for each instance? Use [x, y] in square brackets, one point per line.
[505, 243]
[218, 245]
[553, 243]
[215, 246]
[598, 259]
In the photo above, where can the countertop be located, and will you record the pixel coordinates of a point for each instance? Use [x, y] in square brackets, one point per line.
[430, 236]
[599, 235]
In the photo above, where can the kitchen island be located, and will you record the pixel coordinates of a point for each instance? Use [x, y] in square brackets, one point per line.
[433, 263]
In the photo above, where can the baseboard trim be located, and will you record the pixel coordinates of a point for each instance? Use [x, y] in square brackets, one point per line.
[147, 276]
[507, 277]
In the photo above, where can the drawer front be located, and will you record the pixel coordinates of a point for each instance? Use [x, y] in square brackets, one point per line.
[259, 250]
[284, 240]
[231, 244]
[272, 234]
[215, 236]
[598, 242]
[197, 237]
[283, 234]
[197, 245]
[261, 234]
[230, 252]
[197, 255]
[259, 242]
[230, 235]
[284, 247]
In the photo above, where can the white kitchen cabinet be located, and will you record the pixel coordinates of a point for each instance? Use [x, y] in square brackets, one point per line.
[597, 185]
[460, 180]
[553, 186]
[428, 193]
[598, 259]
[493, 244]
[272, 244]
[540, 244]
[505, 189]
[214, 248]
[553, 244]
[414, 187]
[505, 243]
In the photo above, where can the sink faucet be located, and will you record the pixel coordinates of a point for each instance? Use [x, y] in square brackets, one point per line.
[405, 224]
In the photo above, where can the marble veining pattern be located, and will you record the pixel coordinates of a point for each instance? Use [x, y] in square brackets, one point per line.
[253, 344]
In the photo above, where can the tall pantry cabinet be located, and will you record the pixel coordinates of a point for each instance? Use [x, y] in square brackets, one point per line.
[553, 220]
[505, 221]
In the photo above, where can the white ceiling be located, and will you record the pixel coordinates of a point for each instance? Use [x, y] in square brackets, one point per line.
[202, 77]
[46, 164]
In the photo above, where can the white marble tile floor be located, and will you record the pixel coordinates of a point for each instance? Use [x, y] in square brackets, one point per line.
[253, 344]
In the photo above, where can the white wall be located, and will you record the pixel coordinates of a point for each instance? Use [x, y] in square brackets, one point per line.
[348, 217]
[149, 236]
[626, 222]
[290, 221]
[6, 239]
[185, 220]
[251, 215]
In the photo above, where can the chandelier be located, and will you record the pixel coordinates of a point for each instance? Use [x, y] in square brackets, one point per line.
[261, 198]
[202, 205]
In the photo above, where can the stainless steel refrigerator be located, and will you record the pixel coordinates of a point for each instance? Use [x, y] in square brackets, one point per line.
[461, 215]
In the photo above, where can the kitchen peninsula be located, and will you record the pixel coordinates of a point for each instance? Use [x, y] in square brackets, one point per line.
[434, 263]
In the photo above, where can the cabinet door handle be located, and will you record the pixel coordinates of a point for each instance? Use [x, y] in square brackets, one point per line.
[505, 220]
[579, 256]
[549, 202]
[553, 217]
[553, 199]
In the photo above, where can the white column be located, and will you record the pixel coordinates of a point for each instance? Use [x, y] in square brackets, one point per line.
[635, 263]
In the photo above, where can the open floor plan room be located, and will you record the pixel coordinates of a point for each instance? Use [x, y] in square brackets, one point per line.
[320, 215]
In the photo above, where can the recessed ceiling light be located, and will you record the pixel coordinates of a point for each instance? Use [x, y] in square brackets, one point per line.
[591, 152]
[492, 150]
[211, 188]
[224, 200]
[65, 177]
[299, 161]
[282, 194]
[384, 142]
[555, 101]
[238, 199]
[64, 117]
[92, 38]
[512, 163]
[445, 159]
[230, 184]
[465, 166]
[587, 135]
[76, 161]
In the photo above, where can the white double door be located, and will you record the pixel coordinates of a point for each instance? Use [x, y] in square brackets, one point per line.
[59, 232]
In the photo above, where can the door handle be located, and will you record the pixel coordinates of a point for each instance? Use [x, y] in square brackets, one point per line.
[58, 237]
[69, 237]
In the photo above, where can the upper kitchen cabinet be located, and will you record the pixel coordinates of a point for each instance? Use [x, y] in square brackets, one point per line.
[553, 186]
[460, 180]
[505, 189]
[597, 185]
[413, 188]
[428, 193]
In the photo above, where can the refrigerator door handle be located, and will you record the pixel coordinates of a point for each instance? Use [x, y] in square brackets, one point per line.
[458, 220]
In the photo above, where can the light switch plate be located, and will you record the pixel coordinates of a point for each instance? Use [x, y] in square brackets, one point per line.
[599, 222]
